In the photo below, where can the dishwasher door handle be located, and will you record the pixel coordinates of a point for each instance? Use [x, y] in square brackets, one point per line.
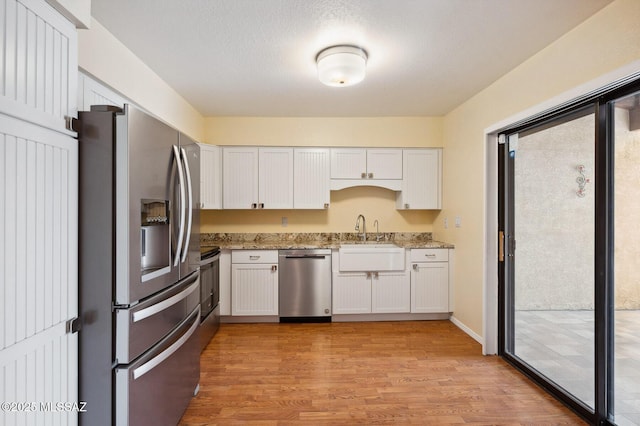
[316, 256]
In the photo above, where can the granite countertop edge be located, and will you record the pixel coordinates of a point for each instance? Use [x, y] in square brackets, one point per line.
[272, 242]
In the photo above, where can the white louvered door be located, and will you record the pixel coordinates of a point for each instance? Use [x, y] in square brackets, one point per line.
[38, 218]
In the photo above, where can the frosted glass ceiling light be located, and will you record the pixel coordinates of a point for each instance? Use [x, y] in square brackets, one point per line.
[341, 66]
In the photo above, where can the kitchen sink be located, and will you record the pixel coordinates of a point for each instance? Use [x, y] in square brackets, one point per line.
[369, 257]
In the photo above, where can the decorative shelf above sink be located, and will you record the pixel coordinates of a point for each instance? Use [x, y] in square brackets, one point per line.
[366, 257]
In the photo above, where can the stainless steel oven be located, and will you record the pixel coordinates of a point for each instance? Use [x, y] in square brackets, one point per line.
[209, 294]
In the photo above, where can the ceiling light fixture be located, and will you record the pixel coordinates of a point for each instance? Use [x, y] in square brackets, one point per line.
[341, 66]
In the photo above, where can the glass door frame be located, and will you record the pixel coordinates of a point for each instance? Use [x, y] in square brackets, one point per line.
[604, 146]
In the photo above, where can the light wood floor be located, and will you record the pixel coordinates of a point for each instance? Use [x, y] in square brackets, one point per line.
[423, 372]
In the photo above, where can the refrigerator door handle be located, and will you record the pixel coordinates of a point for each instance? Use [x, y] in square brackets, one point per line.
[158, 307]
[176, 155]
[185, 251]
[155, 361]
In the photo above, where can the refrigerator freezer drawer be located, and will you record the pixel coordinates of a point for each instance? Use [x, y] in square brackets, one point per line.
[142, 326]
[157, 388]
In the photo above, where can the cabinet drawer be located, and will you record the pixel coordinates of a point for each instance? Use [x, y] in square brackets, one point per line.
[429, 255]
[254, 256]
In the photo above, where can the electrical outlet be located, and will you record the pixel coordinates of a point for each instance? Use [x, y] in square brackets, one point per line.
[446, 223]
[285, 221]
[458, 222]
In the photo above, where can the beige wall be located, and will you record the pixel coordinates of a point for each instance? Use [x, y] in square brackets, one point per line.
[373, 203]
[605, 42]
[105, 58]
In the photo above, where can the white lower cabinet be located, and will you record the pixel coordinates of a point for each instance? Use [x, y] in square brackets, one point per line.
[371, 292]
[429, 280]
[391, 292]
[254, 282]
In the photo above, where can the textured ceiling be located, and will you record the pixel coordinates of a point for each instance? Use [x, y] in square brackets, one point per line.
[256, 57]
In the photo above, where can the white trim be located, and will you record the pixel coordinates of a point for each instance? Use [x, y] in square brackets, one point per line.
[475, 336]
[490, 279]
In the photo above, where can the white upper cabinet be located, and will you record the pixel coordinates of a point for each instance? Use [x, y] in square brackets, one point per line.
[348, 163]
[91, 92]
[366, 166]
[384, 163]
[239, 177]
[311, 170]
[275, 182]
[257, 178]
[422, 180]
[210, 177]
[38, 80]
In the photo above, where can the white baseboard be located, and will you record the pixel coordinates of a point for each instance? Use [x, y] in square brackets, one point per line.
[475, 336]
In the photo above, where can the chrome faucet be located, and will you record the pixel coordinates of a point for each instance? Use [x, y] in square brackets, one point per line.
[378, 237]
[364, 228]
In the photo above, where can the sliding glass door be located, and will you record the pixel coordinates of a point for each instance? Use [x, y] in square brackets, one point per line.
[570, 253]
[551, 257]
[626, 286]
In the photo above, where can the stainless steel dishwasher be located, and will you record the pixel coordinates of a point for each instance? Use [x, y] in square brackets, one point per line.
[304, 283]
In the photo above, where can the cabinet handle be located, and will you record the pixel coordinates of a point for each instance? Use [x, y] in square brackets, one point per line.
[406, 205]
[368, 275]
[375, 275]
[254, 205]
[254, 257]
[363, 175]
[430, 255]
[274, 268]
[415, 266]
[326, 205]
[370, 175]
[261, 205]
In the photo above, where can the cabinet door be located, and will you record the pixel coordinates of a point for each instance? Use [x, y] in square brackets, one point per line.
[348, 163]
[430, 287]
[275, 171]
[422, 179]
[38, 78]
[390, 292]
[210, 177]
[351, 293]
[39, 264]
[91, 92]
[384, 163]
[240, 177]
[254, 289]
[311, 177]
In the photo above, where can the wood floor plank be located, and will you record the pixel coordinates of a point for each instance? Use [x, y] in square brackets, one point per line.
[414, 372]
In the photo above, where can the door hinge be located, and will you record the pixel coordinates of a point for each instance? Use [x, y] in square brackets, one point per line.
[73, 325]
[500, 246]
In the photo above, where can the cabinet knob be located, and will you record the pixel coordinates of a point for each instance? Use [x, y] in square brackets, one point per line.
[415, 267]
[370, 175]
[363, 175]
[261, 205]
[274, 268]
[254, 205]
[375, 275]
[326, 205]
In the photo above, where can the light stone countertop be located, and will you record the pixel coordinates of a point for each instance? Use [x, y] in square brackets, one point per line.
[280, 241]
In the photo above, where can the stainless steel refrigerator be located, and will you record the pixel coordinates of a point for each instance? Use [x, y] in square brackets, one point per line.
[139, 262]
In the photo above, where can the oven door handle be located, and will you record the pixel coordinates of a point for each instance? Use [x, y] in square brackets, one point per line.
[158, 307]
[155, 361]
